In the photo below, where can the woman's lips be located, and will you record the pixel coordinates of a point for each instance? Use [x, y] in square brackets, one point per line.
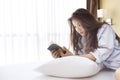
[81, 33]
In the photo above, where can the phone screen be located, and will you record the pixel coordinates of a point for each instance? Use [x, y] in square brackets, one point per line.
[54, 47]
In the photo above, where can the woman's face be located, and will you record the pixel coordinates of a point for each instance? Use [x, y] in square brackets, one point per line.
[78, 27]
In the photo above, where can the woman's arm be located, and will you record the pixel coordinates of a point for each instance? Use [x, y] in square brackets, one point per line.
[68, 53]
[106, 39]
[90, 56]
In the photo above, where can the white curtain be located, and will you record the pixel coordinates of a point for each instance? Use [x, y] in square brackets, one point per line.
[28, 26]
[53, 25]
[18, 31]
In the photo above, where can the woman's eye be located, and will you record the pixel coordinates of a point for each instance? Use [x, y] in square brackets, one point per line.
[79, 25]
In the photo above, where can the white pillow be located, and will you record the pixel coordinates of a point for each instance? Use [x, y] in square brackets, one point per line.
[71, 67]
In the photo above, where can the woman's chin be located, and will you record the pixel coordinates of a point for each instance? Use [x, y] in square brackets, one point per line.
[82, 34]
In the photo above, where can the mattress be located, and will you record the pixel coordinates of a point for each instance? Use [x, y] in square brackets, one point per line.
[26, 72]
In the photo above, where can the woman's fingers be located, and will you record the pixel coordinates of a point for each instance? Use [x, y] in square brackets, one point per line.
[62, 52]
[67, 52]
[55, 53]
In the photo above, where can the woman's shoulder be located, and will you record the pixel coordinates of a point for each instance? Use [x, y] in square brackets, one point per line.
[105, 25]
[105, 28]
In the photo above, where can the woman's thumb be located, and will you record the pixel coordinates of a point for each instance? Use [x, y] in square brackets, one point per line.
[65, 48]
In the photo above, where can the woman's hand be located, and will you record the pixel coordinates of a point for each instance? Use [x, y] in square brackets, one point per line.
[56, 53]
[90, 56]
[66, 52]
[61, 53]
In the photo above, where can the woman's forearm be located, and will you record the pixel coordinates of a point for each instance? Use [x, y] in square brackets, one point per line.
[90, 56]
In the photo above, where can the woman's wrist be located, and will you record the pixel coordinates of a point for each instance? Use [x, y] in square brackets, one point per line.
[90, 56]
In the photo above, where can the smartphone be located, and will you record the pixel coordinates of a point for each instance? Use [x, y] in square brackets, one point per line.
[55, 47]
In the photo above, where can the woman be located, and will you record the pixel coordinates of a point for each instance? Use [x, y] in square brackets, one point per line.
[94, 40]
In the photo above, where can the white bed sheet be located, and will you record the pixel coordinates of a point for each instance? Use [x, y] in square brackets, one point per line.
[26, 72]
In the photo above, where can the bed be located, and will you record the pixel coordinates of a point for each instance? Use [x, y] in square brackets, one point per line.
[26, 72]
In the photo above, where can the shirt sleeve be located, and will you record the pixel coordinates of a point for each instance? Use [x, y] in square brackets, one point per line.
[106, 37]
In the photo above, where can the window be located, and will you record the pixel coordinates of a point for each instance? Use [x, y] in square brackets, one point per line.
[53, 25]
[28, 26]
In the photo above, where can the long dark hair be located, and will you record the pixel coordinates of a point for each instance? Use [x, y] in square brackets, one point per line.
[91, 26]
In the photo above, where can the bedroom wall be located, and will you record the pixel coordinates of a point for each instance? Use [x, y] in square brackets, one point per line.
[112, 7]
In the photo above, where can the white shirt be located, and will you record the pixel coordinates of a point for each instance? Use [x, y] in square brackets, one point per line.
[108, 52]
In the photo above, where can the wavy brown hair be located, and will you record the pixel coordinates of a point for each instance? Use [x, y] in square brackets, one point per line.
[91, 26]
